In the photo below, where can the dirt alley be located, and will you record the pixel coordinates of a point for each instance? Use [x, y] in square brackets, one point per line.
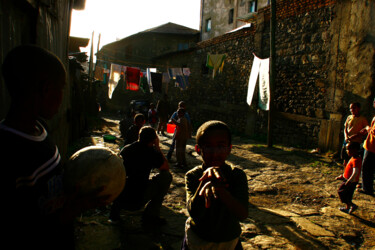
[293, 197]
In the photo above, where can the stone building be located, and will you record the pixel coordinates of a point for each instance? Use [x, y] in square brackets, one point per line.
[138, 50]
[325, 59]
[219, 17]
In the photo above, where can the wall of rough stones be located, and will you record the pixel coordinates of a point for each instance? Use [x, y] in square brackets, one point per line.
[324, 62]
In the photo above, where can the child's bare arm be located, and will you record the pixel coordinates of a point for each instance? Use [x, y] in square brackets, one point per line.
[175, 122]
[353, 176]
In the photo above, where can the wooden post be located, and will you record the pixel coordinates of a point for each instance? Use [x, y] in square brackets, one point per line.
[91, 57]
[272, 71]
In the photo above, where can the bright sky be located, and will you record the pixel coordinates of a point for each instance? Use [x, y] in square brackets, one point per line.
[117, 19]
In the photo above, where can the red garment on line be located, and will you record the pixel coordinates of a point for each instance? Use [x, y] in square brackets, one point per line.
[132, 78]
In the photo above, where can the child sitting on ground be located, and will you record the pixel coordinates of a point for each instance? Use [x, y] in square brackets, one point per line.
[216, 193]
[133, 131]
[350, 177]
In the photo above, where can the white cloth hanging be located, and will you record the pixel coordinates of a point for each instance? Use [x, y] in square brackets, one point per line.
[114, 77]
[260, 68]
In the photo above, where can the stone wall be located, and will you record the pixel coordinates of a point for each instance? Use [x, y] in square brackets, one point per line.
[222, 97]
[324, 62]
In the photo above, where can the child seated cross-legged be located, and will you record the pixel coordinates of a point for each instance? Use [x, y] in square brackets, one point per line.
[350, 177]
[217, 193]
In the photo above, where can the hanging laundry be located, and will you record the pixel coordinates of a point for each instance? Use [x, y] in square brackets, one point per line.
[182, 81]
[148, 74]
[186, 71]
[143, 85]
[156, 80]
[260, 68]
[264, 85]
[173, 72]
[253, 80]
[165, 78]
[105, 74]
[114, 77]
[132, 78]
[215, 62]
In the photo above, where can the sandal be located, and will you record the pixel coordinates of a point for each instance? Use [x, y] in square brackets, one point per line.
[344, 209]
[352, 208]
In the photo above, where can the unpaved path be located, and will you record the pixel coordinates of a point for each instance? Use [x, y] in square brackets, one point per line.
[293, 196]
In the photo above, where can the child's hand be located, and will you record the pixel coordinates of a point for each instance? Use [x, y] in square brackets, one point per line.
[213, 173]
[212, 189]
[340, 177]
[365, 130]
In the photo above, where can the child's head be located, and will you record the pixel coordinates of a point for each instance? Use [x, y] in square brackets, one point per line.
[147, 135]
[355, 108]
[182, 104]
[181, 112]
[352, 148]
[33, 74]
[214, 143]
[139, 120]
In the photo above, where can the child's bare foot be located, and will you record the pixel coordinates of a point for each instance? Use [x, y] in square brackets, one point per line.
[352, 208]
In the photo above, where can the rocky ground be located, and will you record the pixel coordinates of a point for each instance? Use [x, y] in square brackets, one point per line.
[293, 196]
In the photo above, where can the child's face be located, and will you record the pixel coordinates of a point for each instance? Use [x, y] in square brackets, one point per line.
[351, 151]
[139, 122]
[51, 99]
[216, 148]
[354, 110]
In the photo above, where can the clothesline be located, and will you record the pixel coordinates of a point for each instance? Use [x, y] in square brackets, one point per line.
[118, 61]
[133, 76]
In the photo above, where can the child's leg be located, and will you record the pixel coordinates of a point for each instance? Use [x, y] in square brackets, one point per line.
[171, 149]
[184, 152]
[346, 192]
[155, 192]
[180, 152]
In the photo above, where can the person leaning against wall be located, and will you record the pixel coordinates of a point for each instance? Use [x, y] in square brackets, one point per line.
[368, 164]
[354, 123]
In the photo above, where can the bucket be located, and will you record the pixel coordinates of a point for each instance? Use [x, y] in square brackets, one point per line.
[170, 128]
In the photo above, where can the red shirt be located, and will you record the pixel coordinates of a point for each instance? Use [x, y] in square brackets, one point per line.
[353, 163]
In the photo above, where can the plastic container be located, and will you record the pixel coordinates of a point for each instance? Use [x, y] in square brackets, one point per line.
[170, 128]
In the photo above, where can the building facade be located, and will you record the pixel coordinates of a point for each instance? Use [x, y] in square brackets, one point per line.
[138, 50]
[219, 17]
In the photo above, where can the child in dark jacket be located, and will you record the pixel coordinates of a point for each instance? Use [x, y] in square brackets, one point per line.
[216, 193]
